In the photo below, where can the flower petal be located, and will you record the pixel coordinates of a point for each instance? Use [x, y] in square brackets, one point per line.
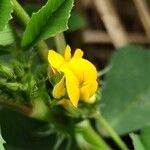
[59, 89]
[83, 69]
[88, 89]
[75, 65]
[72, 86]
[78, 53]
[55, 59]
[85, 93]
[90, 72]
[67, 54]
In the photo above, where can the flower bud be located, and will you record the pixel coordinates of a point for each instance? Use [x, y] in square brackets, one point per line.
[14, 86]
[6, 72]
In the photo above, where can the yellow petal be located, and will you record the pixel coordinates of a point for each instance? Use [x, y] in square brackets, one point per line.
[55, 59]
[87, 90]
[85, 93]
[67, 54]
[78, 53]
[72, 86]
[90, 72]
[59, 89]
[75, 65]
[83, 69]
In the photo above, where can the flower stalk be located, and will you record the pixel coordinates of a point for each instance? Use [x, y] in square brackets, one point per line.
[99, 118]
[60, 43]
[88, 138]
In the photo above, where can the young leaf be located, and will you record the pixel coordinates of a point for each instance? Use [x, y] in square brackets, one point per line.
[6, 36]
[137, 142]
[48, 21]
[126, 93]
[5, 13]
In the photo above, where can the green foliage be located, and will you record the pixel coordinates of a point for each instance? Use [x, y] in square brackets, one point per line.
[137, 142]
[76, 21]
[1, 142]
[125, 97]
[48, 21]
[5, 13]
[6, 72]
[87, 137]
[4, 50]
[30, 117]
[21, 133]
[145, 137]
[141, 141]
[6, 36]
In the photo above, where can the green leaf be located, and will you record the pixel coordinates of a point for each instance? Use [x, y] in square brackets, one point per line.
[76, 21]
[23, 133]
[6, 36]
[137, 142]
[5, 13]
[48, 21]
[1, 142]
[125, 97]
[145, 137]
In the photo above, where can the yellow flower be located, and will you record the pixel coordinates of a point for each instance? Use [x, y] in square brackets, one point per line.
[80, 74]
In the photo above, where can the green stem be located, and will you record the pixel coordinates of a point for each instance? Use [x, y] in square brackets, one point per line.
[42, 49]
[87, 138]
[60, 42]
[104, 71]
[20, 13]
[24, 18]
[16, 107]
[111, 131]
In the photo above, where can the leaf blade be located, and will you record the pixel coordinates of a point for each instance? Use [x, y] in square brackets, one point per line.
[6, 36]
[54, 16]
[126, 94]
[5, 13]
[145, 136]
[138, 145]
[1, 142]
